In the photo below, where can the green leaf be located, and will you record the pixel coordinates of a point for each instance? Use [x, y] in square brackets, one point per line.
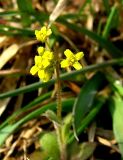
[97, 105]
[35, 102]
[52, 117]
[50, 146]
[116, 108]
[10, 31]
[84, 5]
[116, 83]
[86, 150]
[114, 51]
[107, 6]
[84, 102]
[10, 128]
[66, 128]
[64, 76]
[110, 21]
[119, 87]
[8, 13]
[25, 7]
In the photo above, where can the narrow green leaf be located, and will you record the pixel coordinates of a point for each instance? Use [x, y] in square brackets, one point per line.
[114, 51]
[85, 99]
[35, 102]
[110, 21]
[34, 15]
[8, 13]
[83, 6]
[51, 115]
[116, 108]
[107, 6]
[97, 105]
[25, 7]
[64, 76]
[10, 31]
[10, 128]
[116, 83]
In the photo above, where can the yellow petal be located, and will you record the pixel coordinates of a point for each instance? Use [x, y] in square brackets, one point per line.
[44, 75]
[77, 65]
[48, 55]
[34, 70]
[38, 60]
[37, 34]
[43, 30]
[79, 55]
[49, 32]
[68, 53]
[41, 74]
[64, 63]
[47, 77]
[45, 63]
[40, 50]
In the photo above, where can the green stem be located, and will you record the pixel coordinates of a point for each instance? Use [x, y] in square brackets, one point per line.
[62, 146]
[47, 45]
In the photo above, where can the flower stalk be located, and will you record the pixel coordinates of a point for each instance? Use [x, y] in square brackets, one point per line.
[45, 64]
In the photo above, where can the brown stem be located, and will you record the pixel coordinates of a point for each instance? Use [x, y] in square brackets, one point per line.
[59, 105]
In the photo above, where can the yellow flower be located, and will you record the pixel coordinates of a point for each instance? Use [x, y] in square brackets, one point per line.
[42, 34]
[72, 59]
[45, 54]
[43, 66]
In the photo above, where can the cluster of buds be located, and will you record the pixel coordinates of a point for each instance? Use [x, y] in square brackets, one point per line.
[45, 61]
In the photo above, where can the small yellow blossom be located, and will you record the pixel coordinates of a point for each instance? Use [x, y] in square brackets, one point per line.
[42, 34]
[72, 59]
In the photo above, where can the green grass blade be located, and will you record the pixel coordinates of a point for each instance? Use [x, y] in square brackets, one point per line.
[10, 31]
[34, 16]
[64, 76]
[115, 83]
[116, 108]
[11, 128]
[107, 6]
[114, 51]
[9, 13]
[25, 7]
[85, 99]
[97, 105]
[110, 21]
[35, 102]
[83, 6]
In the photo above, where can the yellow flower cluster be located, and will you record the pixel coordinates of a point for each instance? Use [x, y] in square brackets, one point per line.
[44, 62]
